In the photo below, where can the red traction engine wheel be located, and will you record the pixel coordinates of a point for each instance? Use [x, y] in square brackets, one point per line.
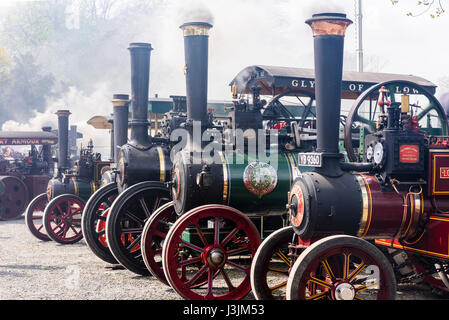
[341, 268]
[62, 219]
[211, 245]
[34, 214]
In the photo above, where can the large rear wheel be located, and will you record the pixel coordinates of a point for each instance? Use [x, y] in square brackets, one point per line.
[34, 214]
[126, 219]
[93, 221]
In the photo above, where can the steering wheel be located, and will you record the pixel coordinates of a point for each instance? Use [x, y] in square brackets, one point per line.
[364, 112]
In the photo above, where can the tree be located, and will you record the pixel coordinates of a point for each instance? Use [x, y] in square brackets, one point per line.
[433, 7]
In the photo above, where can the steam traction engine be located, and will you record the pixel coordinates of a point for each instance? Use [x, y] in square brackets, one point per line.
[396, 195]
[67, 192]
[23, 178]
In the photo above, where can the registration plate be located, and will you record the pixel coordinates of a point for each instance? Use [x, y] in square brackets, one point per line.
[310, 159]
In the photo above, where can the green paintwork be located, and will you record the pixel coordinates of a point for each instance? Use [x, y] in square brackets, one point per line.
[242, 199]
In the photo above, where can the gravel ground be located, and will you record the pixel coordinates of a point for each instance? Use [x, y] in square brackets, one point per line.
[31, 269]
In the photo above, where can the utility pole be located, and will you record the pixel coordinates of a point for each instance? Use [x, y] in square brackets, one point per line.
[358, 22]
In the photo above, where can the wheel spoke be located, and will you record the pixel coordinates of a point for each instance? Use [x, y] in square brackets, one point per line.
[226, 279]
[229, 236]
[278, 271]
[217, 231]
[189, 261]
[233, 252]
[144, 206]
[133, 244]
[279, 286]
[318, 296]
[328, 268]
[201, 235]
[246, 270]
[281, 255]
[346, 265]
[359, 269]
[195, 277]
[191, 246]
[320, 282]
[60, 210]
[133, 217]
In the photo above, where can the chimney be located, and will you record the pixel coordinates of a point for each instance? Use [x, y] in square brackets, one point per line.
[46, 151]
[120, 104]
[63, 138]
[140, 77]
[328, 37]
[196, 41]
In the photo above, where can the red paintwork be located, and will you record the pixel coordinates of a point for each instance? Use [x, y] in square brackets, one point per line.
[433, 241]
[438, 172]
[386, 211]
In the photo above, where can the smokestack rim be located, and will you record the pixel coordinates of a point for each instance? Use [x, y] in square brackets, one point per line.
[329, 23]
[140, 46]
[63, 113]
[196, 28]
[120, 100]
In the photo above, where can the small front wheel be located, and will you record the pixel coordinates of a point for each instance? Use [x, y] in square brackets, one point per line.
[341, 268]
[62, 219]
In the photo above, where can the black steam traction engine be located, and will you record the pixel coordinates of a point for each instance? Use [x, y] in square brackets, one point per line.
[56, 214]
[199, 243]
[350, 218]
[21, 179]
[142, 167]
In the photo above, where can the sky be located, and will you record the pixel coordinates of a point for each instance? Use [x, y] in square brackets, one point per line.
[270, 32]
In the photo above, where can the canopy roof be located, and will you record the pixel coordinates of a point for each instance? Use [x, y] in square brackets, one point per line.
[100, 122]
[27, 137]
[275, 80]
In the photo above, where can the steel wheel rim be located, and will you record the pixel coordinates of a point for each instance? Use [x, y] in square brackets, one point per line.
[35, 215]
[176, 269]
[63, 219]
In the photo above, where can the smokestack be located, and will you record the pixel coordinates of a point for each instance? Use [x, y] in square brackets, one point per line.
[140, 78]
[328, 37]
[46, 151]
[63, 138]
[120, 104]
[196, 41]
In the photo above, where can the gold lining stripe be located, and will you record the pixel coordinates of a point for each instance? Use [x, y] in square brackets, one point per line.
[75, 185]
[291, 168]
[226, 180]
[367, 206]
[161, 164]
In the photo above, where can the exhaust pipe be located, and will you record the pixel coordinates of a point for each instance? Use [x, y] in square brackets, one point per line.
[328, 38]
[120, 104]
[63, 139]
[196, 42]
[46, 152]
[140, 79]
